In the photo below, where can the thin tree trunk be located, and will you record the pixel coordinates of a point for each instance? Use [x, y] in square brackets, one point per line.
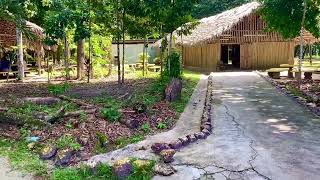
[39, 63]
[310, 53]
[58, 54]
[66, 58]
[143, 57]
[80, 59]
[20, 55]
[170, 49]
[123, 46]
[302, 40]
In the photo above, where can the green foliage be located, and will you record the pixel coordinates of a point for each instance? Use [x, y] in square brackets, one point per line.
[67, 141]
[206, 8]
[21, 157]
[57, 89]
[173, 66]
[285, 16]
[161, 125]
[142, 172]
[146, 127]
[142, 56]
[111, 114]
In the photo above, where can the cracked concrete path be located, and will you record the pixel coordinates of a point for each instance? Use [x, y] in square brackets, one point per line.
[258, 134]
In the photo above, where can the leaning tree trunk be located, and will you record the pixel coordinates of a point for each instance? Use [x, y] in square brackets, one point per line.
[20, 55]
[80, 59]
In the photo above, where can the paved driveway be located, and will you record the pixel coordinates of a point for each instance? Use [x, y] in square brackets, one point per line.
[258, 134]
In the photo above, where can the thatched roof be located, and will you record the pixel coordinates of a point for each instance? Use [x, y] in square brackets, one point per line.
[8, 35]
[213, 27]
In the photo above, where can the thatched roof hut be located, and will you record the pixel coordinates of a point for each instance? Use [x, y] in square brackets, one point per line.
[237, 38]
[8, 36]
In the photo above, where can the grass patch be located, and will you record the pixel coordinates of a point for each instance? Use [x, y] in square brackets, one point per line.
[22, 158]
[297, 92]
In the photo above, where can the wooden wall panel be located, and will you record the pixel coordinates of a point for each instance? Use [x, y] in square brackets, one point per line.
[203, 58]
[265, 55]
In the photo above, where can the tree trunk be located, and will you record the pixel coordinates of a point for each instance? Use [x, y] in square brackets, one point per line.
[58, 54]
[143, 57]
[80, 59]
[38, 63]
[66, 58]
[302, 40]
[310, 53]
[123, 47]
[20, 55]
[169, 53]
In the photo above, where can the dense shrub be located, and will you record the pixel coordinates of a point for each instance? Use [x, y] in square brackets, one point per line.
[173, 67]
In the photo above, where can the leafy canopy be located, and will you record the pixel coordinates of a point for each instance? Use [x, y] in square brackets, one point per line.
[285, 16]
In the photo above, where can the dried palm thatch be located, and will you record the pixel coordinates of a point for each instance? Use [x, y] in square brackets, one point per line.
[210, 29]
[8, 36]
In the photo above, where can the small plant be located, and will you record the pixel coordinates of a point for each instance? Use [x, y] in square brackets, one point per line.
[161, 125]
[146, 127]
[111, 114]
[67, 141]
[83, 117]
[69, 125]
[57, 89]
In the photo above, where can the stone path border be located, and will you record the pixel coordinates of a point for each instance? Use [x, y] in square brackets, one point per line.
[302, 101]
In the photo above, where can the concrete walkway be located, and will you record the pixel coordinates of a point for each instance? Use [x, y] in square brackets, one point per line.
[258, 134]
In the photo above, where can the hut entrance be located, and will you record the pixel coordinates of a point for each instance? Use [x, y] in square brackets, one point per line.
[230, 55]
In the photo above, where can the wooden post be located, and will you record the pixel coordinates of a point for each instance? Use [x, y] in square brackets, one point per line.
[20, 54]
[123, 46]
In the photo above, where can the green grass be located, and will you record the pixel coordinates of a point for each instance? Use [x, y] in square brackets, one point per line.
[22, 158]
[103, 172]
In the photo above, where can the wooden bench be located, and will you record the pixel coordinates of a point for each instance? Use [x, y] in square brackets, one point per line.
[274, 73]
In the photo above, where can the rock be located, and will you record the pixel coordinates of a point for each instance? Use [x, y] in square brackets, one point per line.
[42, 100]
[64, 157]
[200, 135]
[122, 168]
[84, 140]
[140, 108]
[312, 105]
[167, 155]
[48, 152]
[173, 90]
[176, 144]
[158, 147]
[206, 132]
[133, 123]
[164, 169]
[191, 138]
[32, 139]
[185, 141]
[141, 164]
[31, 145]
